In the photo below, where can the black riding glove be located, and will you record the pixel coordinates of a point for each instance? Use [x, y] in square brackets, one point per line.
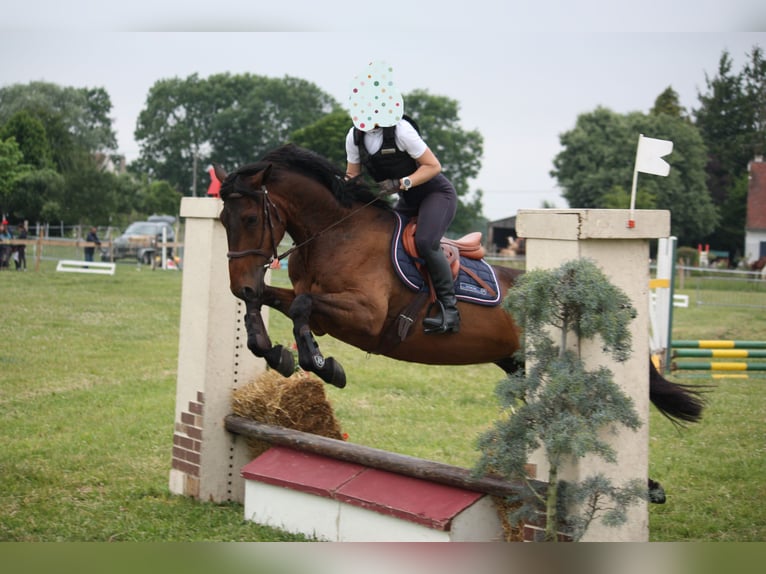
[389, 186]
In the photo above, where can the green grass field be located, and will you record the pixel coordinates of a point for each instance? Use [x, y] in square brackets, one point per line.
[88, 367]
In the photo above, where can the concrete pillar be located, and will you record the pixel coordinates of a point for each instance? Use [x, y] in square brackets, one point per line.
[213, 360]
[622, 253]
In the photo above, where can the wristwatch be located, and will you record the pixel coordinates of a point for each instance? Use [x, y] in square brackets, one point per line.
[407, 183]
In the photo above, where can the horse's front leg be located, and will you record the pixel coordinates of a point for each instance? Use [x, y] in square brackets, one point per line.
[259, 343]
[309, 356]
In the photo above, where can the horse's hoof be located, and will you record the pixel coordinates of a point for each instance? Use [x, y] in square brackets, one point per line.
[333, 373]
[656, 492]
[286, 366]
[281, 360]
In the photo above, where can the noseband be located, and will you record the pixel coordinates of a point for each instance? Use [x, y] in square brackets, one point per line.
[268, 207]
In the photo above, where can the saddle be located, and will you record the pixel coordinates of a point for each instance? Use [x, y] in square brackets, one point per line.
[468, 246]
[475, 281]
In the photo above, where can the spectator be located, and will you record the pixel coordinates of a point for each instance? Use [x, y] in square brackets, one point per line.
[20, 251]
[5, 246]
[91, 238]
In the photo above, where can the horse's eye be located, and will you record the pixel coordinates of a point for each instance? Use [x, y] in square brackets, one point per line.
[250, 220]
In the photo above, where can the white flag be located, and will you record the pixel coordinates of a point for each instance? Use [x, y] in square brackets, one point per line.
[650, 153]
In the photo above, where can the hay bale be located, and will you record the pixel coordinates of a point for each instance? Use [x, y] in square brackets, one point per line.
[297, 402]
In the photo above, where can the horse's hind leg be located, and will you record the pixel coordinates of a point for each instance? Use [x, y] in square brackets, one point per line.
[259, 343]
[309, 356]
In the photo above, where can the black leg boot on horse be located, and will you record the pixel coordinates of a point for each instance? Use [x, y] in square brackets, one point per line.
[447, 318]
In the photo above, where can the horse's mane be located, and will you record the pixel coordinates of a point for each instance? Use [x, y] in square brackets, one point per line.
[291, 157]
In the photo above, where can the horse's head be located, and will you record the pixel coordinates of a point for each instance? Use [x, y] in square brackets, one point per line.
[253, 226]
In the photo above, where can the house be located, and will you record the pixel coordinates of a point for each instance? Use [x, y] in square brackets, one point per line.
[755, 221]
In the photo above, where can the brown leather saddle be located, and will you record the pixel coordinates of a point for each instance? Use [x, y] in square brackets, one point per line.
[468, 246]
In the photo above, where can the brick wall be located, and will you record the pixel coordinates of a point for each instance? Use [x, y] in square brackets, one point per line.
[187, 444]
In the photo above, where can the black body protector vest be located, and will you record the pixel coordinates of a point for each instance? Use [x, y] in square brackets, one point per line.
[389, 162]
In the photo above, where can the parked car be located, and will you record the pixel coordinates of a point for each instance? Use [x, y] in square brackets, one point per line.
[142, 240]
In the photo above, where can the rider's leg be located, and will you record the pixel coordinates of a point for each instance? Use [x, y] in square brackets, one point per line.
[435, 214]
[448, 317]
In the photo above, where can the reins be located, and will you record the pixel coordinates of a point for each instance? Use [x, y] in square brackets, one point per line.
[274, 256]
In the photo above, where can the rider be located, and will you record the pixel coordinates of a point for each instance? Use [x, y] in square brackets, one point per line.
[403, 163]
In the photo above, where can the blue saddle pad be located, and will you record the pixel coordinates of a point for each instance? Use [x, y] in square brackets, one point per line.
[466, 288]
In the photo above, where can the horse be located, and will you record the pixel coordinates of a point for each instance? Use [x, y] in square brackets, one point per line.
[759, 265]
[343, 281]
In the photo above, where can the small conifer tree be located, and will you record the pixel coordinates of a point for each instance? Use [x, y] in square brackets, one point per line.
[557, 404]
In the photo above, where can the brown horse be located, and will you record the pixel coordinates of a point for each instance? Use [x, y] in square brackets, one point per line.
[343, 282]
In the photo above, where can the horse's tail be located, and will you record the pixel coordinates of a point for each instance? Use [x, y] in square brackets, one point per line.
[680, 403]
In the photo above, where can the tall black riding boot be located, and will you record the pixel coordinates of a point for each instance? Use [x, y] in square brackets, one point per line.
[448, 317]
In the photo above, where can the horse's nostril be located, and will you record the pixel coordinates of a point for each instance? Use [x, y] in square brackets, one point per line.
[247, 293]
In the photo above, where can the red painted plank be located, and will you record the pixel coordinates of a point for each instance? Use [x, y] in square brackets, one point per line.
[412, 499]
[301, 471]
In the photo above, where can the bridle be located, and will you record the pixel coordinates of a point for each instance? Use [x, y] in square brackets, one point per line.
[268, 206]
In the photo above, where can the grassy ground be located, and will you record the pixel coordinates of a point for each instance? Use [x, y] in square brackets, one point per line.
[87, 400]
[712, 469]
[88, 368]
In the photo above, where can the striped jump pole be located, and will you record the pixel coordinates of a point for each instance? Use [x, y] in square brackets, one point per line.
[718, 344]
[719, 349]
[717, 366]
[722, 353]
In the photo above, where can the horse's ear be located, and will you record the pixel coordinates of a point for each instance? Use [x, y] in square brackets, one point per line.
[266, 173]
[220, 174]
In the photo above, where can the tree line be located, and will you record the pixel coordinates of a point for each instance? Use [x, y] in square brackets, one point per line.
[59, 160]
[706, 190]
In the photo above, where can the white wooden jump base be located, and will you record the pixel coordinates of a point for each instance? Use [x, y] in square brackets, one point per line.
[76, 266]
[329, 494]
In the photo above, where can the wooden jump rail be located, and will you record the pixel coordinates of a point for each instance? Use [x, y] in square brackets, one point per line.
[437, 472]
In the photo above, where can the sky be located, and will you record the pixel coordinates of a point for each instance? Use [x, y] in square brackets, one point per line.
[521, 75]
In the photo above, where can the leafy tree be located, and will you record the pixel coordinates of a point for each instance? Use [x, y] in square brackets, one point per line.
[88, 193]
[12, 168]
[557, 404]
[83, 111]
[29, 133]
[668, 103]
[227, 119]
[732, 121]
[159, 197]
[595, 169]
[754, 84]
[723, 123]
[326, 136]
[38, 196]
[62, 132]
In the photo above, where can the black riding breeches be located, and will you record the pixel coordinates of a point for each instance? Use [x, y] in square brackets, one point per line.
[434, 203]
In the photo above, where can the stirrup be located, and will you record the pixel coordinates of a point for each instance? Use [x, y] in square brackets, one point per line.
[439, 323]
